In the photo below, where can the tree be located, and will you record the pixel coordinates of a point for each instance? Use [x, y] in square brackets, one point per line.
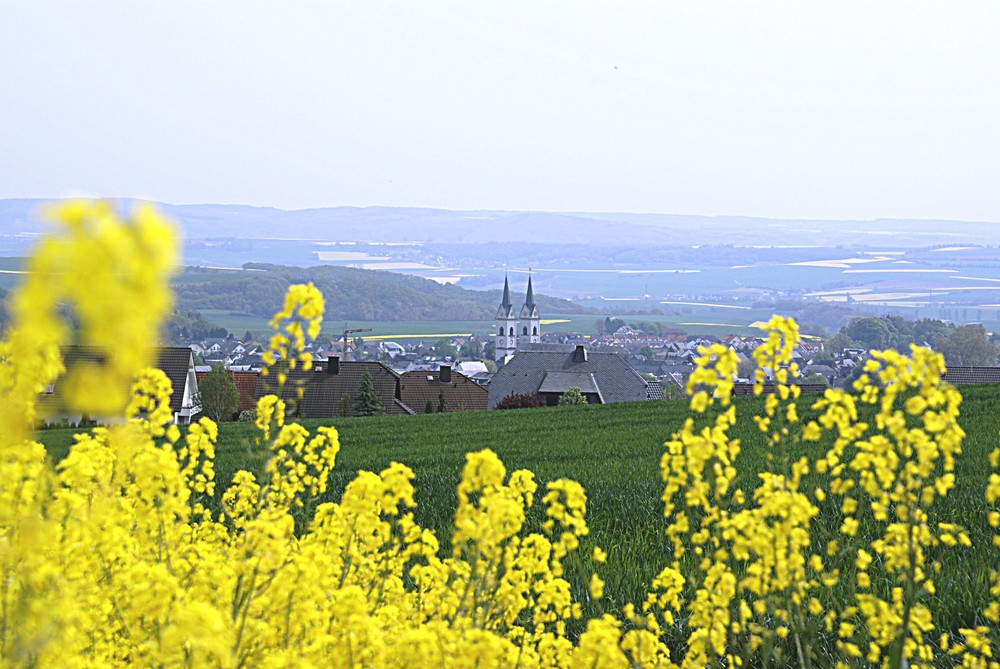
[368, 401]
[926, 330]
[471, 348]
[441, 404]
[745, 368]
[344, 406]
[967, 345]
[217, 395]
[572, 397]
[491, 366]
[838, 342]
[813, 379]
[872, 332]
[429, 407]
[445, 348]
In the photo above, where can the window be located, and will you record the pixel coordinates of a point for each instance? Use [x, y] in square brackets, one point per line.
[500, 333]
[512, 332]
[534, 331]
[524, 330]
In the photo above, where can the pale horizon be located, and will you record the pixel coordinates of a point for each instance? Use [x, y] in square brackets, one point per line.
[778, 110]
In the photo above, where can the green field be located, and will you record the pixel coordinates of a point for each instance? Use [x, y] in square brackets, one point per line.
[614, 451]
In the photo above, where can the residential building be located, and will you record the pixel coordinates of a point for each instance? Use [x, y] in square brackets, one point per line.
[447, 387]
[602, 377]
[331, 388]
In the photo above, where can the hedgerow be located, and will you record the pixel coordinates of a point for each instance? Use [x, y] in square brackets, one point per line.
[121, 555]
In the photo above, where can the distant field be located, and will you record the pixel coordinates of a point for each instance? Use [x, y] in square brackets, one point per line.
[614, 452]
[239, 323]
[698, 321]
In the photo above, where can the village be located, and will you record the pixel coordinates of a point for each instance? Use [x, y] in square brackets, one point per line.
[517, 364]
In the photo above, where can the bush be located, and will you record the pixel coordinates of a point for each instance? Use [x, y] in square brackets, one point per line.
[572, 397]
[248, 416]
[520, 401]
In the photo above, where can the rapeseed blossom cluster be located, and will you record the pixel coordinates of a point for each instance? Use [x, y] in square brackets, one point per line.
[127, 553]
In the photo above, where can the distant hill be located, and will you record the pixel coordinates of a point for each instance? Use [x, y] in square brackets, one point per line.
[395, 224]
[351, 294]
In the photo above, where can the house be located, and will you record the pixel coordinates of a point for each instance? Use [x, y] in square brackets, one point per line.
[965, 376]
[325, 386]
[177, 362]
[602, 377]
[457, 391]
[472, 367]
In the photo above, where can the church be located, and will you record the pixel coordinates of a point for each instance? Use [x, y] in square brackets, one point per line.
[513, 330]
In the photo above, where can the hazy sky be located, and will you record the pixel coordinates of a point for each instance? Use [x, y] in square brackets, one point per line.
[785, 109]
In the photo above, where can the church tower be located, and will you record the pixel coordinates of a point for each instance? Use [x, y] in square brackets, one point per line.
[531, 324]
[506, 326]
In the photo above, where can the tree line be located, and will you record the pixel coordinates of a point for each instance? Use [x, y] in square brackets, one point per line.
[963, 345]
[351, 294]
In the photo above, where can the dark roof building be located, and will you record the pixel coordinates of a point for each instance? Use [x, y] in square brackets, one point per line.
[459, 392]
[177, 362]
[602, 378]
[325, 385]
[965, 376]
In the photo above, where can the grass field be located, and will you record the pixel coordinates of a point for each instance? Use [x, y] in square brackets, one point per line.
[614, 451]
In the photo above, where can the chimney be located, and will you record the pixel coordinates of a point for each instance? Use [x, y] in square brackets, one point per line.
[333, 364]
[580, 354]
[444, 374]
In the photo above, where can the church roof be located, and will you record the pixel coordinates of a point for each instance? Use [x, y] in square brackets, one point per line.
[506, 294]
[529, 310]
[506, 310]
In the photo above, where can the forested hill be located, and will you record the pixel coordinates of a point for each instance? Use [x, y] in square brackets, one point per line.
[351, 294]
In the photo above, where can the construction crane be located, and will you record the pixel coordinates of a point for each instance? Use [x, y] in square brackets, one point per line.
[347, 332]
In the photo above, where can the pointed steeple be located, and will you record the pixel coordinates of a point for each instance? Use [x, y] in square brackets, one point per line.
[529, 311]
[530, 324]
[506, 310]
[506, 325]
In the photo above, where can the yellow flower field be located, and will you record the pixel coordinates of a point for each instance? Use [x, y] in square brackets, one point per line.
[115, 558]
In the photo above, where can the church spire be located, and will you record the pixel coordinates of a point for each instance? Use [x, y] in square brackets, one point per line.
[506, 325]
[530, 323]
